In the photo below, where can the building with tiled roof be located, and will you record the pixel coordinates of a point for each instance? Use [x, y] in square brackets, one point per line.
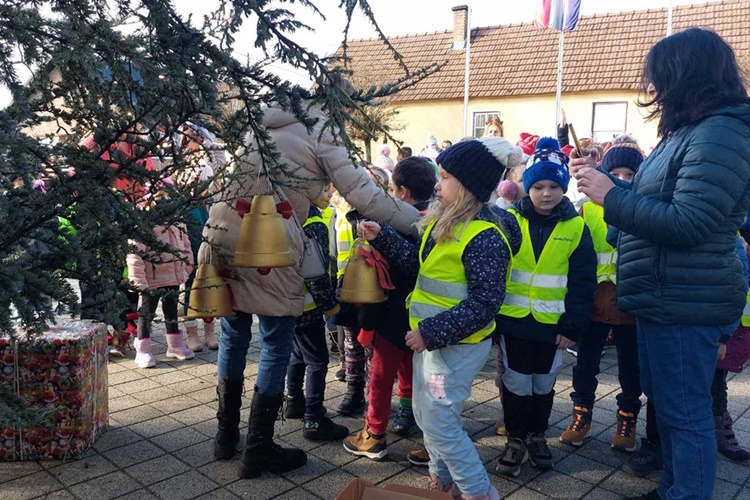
[513, 72]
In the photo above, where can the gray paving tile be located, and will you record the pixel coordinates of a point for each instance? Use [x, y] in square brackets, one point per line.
[123, 403]
[601, 494]
[330, 485]
[78, 471]
[557, 485]
[221, 472]
[115, 437]
[194, 415]
[197, 454]
[30, 486]
[266, 486]
[179, 438]
[158, 469]
[139, 495]
[375, 472]
[187, 485]
[123, 377]
[220, 494]
[333, 453]
[526, 494]
[156, 426]
[584, 469]
[138, 386]
[133, 453]
[174, 377]
[112, 485]
[297, 494]
[156, 394]
[732, 472]
[621, 483]
[137, 414]
[315, 467]
[175, 404]
[16, 470]
[724, 490]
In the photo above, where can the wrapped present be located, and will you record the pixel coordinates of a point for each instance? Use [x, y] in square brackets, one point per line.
[63, 371]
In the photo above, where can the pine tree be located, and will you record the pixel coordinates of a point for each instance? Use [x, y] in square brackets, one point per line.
[129, 75]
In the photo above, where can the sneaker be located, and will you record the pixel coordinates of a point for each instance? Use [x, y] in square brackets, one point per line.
[322, 428]
[419, 457]
[354, 399]
[404, 421]
[648, 459]
[295, 408]
[651, 495]
[514, 455]
[579, 427]
[624, 439]
[540, 455]
[334, 336]
[366, 444]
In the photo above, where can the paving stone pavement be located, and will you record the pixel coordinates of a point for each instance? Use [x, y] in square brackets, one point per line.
[162, 420]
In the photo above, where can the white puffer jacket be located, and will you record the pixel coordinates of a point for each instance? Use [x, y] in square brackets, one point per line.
[311, 161]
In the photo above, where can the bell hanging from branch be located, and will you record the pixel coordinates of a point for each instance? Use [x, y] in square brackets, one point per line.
[263, 241]
[366, 277]
[210, 296]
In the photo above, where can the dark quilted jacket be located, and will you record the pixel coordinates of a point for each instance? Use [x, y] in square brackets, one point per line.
[677, 260]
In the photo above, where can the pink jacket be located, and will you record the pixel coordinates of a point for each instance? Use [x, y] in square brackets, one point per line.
[165, 269]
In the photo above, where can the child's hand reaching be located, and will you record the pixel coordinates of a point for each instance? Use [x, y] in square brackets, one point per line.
[414, 340]
[563, 342]
[368, 230]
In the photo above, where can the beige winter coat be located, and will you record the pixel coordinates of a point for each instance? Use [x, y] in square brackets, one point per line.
[164, 269]
[310, 164]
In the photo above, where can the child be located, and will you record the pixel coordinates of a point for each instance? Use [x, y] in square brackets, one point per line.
[621, 161]
[547, 304]
[460, 266]
[310, 355]
[413, 182]
[165, 272]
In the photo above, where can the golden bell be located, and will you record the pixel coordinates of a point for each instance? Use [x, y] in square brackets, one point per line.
[360, 284]
[210, 295]
[263, 241]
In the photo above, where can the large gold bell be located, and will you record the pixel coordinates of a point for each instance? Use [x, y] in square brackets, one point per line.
[263, 241]
[361, 284]
[210, 295]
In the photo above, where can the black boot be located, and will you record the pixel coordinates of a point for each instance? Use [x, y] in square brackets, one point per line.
[295, 407]
[261, 453]
[228, 435]
[321, 428]
[354, 400]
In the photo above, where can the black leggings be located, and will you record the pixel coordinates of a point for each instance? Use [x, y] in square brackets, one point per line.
[168, 309]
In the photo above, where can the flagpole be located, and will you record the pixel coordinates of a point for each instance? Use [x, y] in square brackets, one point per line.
[559, 76]
[467, 56]
[669, 19]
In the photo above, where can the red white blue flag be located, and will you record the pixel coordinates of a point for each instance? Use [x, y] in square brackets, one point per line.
[560, 15]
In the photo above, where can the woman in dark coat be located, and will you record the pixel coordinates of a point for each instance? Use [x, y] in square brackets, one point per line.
[678, 271]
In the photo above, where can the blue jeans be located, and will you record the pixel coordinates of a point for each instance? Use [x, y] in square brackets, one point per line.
[677, 367]
[442, 382]
[276, 343]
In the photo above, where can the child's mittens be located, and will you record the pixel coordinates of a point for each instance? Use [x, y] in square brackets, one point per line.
[366, 337]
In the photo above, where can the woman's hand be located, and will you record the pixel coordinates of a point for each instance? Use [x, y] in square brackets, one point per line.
[578, 162]
[368, 230]
[594, 184]
[563, 342]
[414, 340]
[722, 352]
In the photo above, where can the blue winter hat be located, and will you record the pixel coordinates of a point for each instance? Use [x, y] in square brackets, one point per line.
[547, 163]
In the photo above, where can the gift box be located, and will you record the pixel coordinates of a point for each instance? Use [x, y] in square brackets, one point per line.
[63, 371]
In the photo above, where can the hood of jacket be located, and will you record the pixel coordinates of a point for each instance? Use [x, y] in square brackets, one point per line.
[565, 210]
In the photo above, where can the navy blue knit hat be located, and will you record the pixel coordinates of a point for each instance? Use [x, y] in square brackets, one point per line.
[625, 155]
[478, 164]
[547, 163]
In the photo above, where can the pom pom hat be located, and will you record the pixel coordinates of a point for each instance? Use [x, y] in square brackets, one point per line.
[625, 155]
[547, 163]
[478, 164]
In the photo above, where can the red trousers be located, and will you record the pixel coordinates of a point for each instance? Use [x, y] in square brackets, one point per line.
[387, 361]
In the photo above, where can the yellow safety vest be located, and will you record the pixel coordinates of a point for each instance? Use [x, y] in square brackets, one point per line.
[746, 312]
[606, 254]
[327, 213]
[310, 304]
[540, 287]
[441, 284]
[344, 241]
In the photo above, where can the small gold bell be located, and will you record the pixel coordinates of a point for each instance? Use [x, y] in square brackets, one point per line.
[361, 284]
[210, 295]
[263, 241]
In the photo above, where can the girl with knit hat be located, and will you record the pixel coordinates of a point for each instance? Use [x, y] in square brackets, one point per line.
[461, 267]
[384, 159]
[622, 161]
[547, 304]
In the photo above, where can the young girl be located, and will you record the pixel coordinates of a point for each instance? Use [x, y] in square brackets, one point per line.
[460, 267]
[547, 305]
[165, 272]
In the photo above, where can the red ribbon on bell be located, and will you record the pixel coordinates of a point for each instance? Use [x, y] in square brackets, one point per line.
[375, 259]
[243, 206]
[285, 209]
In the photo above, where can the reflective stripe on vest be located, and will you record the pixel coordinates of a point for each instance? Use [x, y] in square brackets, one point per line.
[441, 284]
[344, 241]
[310, 304]
[606, 254]
[539, 288]
[746, 312]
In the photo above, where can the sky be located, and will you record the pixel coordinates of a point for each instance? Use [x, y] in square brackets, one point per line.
[395, 17]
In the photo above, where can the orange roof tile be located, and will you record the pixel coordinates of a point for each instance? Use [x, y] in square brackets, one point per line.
[605, 52]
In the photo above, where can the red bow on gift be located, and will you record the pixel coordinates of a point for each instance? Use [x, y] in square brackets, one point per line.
[375, 259]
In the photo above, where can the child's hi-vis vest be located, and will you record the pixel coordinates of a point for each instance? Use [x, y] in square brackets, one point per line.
[606, 254]
[540, 287]
[441, 284]
[344, 242]
[310, 304]
[746, 312]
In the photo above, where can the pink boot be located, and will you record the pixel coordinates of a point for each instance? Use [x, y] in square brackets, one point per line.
[209, 337]
[192, 342]
[176, 349]
[143, 356]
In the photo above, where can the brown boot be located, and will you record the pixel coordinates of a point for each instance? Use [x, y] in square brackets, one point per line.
[624, 439]
[579, 427]
[209, 337]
